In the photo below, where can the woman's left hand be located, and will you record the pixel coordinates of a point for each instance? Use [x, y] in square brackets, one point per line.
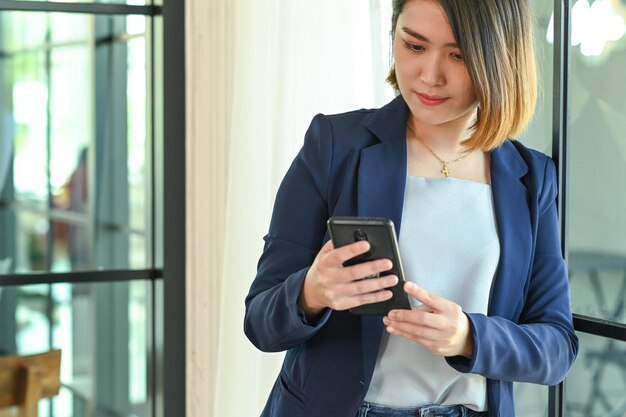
[439, 324]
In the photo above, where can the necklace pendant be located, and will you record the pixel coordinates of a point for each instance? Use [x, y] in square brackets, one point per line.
[446, 171]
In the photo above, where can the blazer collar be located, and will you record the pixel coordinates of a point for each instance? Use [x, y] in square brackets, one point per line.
[382, 166]
[389, 122]
[506, 161]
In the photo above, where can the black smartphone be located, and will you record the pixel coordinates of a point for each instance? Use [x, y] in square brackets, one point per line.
[381, 235]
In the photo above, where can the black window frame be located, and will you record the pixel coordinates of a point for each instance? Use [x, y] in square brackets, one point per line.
[167, 377]
[562, 70]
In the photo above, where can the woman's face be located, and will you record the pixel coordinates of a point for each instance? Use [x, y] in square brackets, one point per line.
[430, 70]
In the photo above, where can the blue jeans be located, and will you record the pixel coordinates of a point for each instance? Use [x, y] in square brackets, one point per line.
[374, 410]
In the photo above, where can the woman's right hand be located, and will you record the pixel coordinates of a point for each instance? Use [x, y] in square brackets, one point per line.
[328, 284]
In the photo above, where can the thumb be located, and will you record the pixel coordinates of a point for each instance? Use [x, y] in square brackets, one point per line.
[328, 246]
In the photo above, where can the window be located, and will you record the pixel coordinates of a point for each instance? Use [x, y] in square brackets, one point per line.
[582, 50]
[81, 195]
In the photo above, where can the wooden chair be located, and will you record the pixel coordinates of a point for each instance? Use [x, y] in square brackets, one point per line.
[24, 380]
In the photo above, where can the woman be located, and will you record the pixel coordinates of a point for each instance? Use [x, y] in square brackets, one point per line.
[477, 224]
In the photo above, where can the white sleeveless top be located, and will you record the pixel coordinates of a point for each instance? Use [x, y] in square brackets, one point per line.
[448, 245]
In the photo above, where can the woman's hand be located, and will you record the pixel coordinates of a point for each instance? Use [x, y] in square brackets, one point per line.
[328, 284]
[439, 324]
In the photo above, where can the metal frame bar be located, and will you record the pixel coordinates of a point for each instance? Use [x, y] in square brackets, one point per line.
[560, 112]
[80, 277]
[600, 327]
[86, 8]
[560, 150]
[174, 133]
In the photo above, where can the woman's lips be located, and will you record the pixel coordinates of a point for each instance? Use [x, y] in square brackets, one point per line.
[430, 100]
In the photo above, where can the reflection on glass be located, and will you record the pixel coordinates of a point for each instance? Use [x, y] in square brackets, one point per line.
[22, 31]
[102, 331]
[31, 242]
[71, 83]
[595, 27]
[70, 248]
[29, 93]
[138, 250]
[137, 135]
[76, 148]
[598, 167]
[69, 28]
[597, 382]
[32, 320]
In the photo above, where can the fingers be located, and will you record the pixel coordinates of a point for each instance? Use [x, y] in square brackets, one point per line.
[439, 324]
[366, 291]
[329, 284]
[328, 246]
[420, 334]
[334, 260]
[371, 285]
[415, 318]
[346, 303]
[344, 253]
[369, 269]
[433, 301]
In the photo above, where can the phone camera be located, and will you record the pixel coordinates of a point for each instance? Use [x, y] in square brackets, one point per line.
[359, 235]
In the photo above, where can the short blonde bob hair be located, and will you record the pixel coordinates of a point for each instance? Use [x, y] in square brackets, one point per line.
[496, 39]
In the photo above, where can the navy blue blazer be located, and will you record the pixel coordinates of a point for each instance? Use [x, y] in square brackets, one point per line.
[355, 164]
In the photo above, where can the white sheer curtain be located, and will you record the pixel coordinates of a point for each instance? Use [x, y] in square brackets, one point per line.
[258, 71]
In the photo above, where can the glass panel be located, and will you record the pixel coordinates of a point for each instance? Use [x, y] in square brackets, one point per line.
[137, 133]
[139, 251]
[531, 400]
[29, 110]
[71, 83]
[598, 160]
[71, 247]
[597, 382]
[75, 141]
[69, 27]
[21, 31]
[539, 133]
[104, 371]
[31, 243]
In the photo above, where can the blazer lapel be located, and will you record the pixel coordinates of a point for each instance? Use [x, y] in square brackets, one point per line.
[381, 182]
[382, 167]
[511, 201]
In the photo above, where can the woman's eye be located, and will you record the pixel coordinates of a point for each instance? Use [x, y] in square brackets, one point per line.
[413, 47]
[457, 57]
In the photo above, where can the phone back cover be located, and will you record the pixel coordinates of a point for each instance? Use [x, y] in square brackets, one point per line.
[381, 235]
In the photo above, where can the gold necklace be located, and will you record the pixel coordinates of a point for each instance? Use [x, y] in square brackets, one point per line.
[445, 169]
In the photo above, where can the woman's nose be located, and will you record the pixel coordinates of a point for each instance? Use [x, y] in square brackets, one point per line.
[432, 73]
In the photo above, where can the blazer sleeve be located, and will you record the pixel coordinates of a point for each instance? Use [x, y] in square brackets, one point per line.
[542, 346]
[273, 319]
